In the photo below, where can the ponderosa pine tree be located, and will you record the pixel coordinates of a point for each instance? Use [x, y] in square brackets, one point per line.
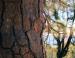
[21, 24]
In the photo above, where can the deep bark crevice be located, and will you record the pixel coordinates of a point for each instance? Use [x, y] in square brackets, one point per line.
[2, 19]
[21, 10]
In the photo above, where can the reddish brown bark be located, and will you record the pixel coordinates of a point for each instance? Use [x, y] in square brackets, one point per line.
[20, 29]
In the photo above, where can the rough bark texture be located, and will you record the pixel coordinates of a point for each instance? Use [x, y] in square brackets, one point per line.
[19, 35]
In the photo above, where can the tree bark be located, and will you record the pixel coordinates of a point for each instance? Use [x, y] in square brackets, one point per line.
[19, 35]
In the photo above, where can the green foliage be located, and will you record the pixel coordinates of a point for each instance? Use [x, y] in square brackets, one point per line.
[74, 10]
[74, 13]
[56, 14]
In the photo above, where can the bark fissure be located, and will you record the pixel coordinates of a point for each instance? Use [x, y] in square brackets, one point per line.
[2, 19]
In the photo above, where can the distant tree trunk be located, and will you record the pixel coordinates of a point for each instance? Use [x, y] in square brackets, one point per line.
[62, 50]
[21, 24]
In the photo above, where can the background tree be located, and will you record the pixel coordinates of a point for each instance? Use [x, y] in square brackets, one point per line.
[53, 10]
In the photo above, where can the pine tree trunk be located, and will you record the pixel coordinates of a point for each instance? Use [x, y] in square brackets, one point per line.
[21, 23]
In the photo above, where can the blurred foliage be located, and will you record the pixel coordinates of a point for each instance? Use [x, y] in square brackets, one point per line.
[52, 52]
[56, 14]
[56, 24]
